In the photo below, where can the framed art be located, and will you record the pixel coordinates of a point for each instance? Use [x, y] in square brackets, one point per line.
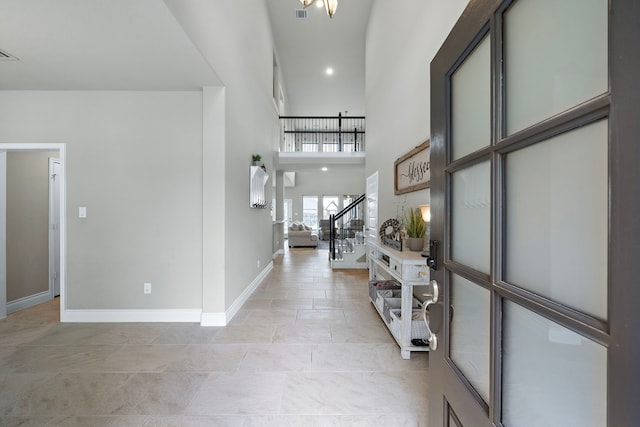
[412, 171]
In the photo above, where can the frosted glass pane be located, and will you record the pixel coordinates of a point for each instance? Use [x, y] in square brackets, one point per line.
[471, 102]
[453, 422]
[470, 218]
[551, 375]
[556, 213]
[470, 332]
[552, 66]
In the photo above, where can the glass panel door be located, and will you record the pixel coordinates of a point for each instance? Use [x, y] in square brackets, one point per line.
[530, 210]
[471, 102]
[560, 184]
[470, 333]
[310, 211]
[471, 216]
[288, 209]
[549, 366]
[464, 196]
[551, 66]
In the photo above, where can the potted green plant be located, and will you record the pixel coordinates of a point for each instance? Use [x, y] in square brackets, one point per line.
[415, 228]
[255, 159]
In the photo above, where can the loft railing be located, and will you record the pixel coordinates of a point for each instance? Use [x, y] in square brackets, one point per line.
[322, 134]
[346, 228]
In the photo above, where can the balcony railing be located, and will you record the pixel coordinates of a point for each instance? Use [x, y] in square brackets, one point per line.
[340, 134]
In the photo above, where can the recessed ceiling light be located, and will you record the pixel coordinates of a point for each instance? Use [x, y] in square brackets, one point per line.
[329, 71]
[319, 4]
[324, 169]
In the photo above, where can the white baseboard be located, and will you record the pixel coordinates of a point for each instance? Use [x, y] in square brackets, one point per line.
[169, 315]
[276, 253]
[28, 301]
[115, 316]
[222, 319]
[213, 319]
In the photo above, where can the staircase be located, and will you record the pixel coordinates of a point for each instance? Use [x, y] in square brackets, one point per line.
[347, 245]
[350, 253]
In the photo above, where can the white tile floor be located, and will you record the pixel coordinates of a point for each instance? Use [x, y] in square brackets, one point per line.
[307, 349]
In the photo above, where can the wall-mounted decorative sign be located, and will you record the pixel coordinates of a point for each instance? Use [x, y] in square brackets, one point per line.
[412, 171]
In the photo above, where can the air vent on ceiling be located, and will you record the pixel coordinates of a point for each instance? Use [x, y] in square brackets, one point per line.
[301, 13]
[4, 56]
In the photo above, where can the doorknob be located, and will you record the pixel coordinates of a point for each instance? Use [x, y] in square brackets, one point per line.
[433, 293]
[433, 298]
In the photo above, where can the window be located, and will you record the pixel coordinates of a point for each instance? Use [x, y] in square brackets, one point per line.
[310, 211]
[330, 206]
[288, 203]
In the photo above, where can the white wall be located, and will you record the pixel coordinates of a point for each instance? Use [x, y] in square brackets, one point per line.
[401, 41]
[134, 160]
[165, 175]
[235, 39]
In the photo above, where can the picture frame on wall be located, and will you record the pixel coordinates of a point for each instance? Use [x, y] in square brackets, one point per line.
[412, 171]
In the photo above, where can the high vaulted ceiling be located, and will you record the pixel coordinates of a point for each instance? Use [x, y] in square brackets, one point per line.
[139, 45]
[97, 45]
[306, 47]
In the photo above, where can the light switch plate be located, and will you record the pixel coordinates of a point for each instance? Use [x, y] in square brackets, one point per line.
[82, 212]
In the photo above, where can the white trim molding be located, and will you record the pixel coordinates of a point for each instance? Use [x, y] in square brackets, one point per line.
[222, 319]
[116, 316]
[213, 319]
[28, 301]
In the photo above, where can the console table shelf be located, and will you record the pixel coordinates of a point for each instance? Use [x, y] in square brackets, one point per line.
[409, 269]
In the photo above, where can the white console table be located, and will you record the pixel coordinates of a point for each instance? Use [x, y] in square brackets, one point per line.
[409, 269]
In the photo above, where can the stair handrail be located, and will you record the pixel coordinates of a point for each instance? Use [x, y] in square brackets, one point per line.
[332, 223]
[351, 206]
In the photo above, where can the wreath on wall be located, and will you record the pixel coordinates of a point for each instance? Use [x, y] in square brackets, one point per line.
[390, 229]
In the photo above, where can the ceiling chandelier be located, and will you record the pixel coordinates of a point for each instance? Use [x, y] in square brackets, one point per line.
[329, 5]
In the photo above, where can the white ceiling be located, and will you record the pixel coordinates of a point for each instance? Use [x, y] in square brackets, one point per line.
[139, 45]
[306, 47]
[97, 45]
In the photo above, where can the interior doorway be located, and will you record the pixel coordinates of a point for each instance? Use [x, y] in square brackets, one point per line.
[55, 243]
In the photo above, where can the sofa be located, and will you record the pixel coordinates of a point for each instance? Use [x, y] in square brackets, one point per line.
[324, 229]
[302, 235]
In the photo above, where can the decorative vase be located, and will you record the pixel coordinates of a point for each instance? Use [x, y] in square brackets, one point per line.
[415, 244]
